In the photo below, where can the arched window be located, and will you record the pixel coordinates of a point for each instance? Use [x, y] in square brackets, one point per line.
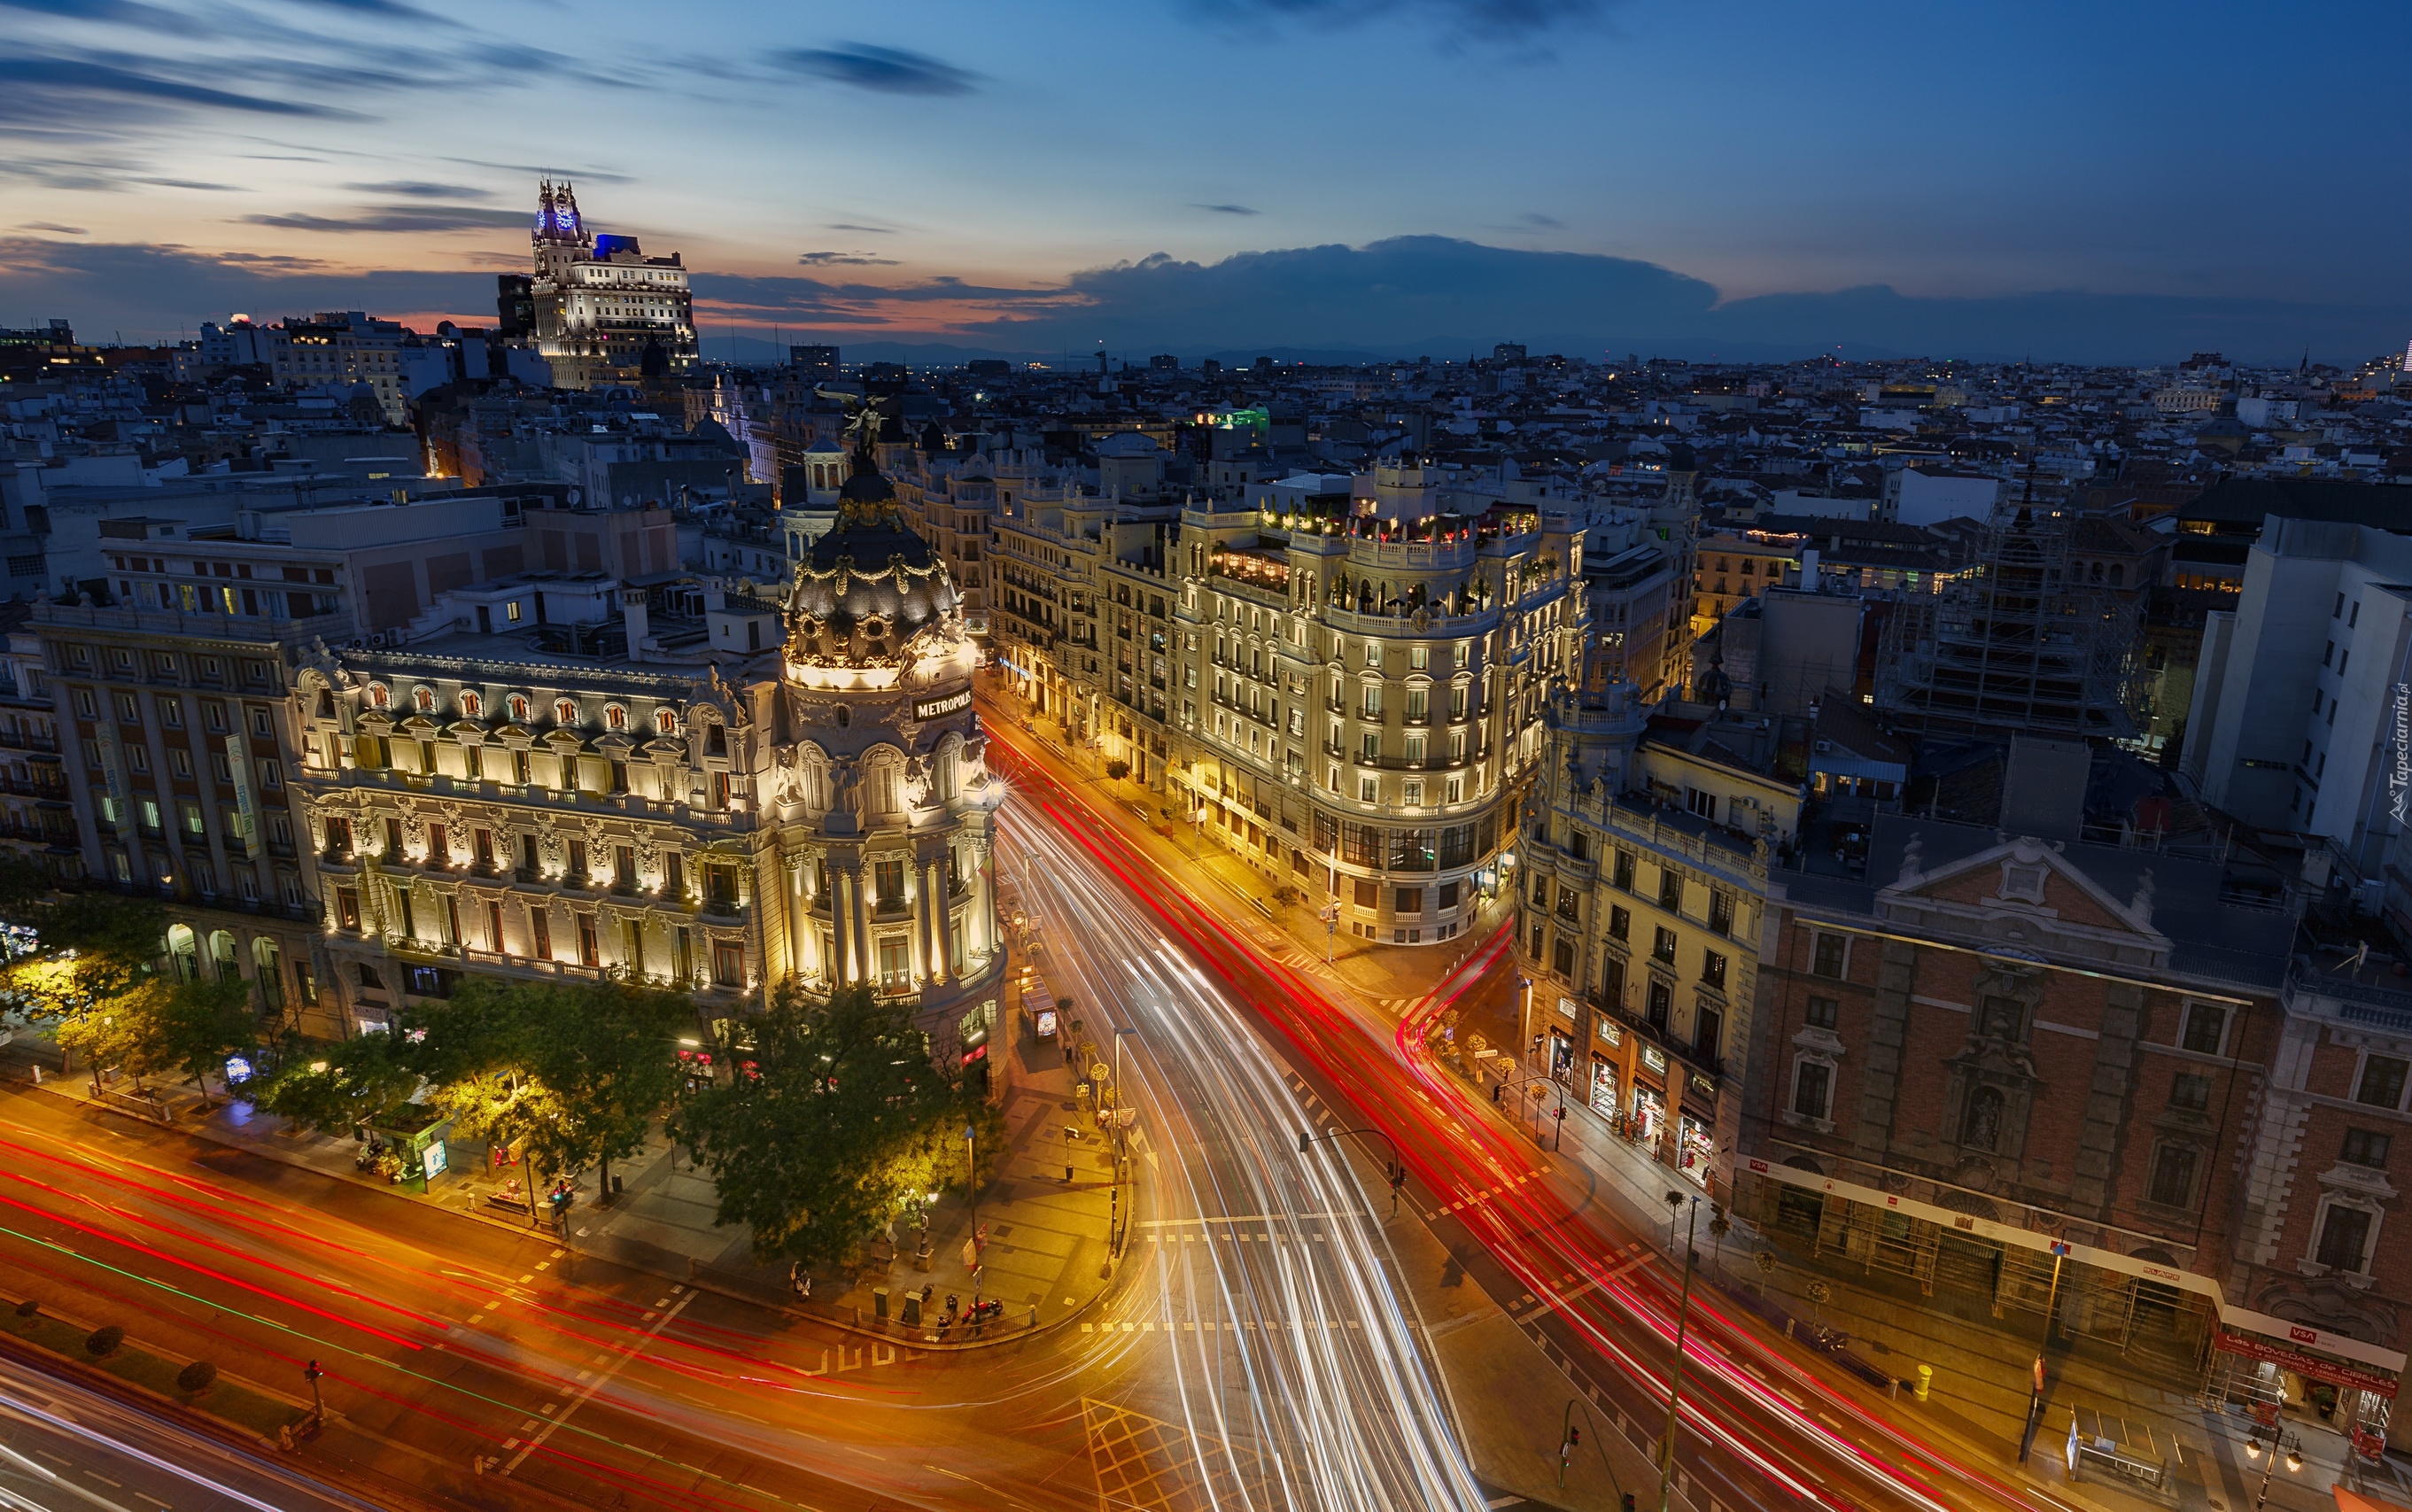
[517, 705]
[565, 712]
[615, 717]
[1981, 1125]
[472, 705]
[666, 720]
[423, 699]
[378, 696]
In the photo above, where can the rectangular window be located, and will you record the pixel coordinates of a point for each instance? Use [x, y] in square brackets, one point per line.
[541, 931]
[1721, 912]
[482, 846]
[439, 846]
[348, 909]
[1827, 958]
[2206, 1028]
[2365, 1146]
[2172, 1183]
[2345, 1235]
[887, 884]
[1712, 970]
[728, 963]
[1671, 889]
[1823, 1012]
[589, 954]
[1620, 923]
[494, 927]
[577, 850]
[1407, 900]
[1663, 947]
[2382, 1081]
[1368, 894]
[1625, 869]
[2190, 1093]
[1661, 1002]
[1813, 1083]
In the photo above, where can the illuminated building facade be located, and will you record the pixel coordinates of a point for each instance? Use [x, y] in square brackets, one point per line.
[1360, 681]
[604, 313]
[509, 791]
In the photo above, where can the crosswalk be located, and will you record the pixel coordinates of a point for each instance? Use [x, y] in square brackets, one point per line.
[1471, 1199]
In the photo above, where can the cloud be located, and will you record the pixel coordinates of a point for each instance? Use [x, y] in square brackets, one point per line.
[873, 230]
[193, 184]
[45, 88]
[421, 218]
[415, 189]
[142, 288]
[1547, 223]
[547, 171]
[1228, 210]
[46, 226]
[1437, 294]
[882, 70]
[849, 259]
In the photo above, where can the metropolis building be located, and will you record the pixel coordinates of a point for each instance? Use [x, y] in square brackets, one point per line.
[604, 311]
[508, 790]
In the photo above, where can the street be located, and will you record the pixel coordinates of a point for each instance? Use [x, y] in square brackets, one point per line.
[1261, 1344]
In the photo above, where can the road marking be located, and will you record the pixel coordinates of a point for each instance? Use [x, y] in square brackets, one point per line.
[493, 1302]
[478, 1317]
[626, 1355]
[524, 1280]
[558, 1253]
[152, 1500]
[104, 1479]
[542, 1265]
[510, 1444]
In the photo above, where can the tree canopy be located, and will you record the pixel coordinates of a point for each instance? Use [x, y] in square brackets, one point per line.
[160, 1025]
[357, 1081]
[579, 1072]
[93, 946]
[834, 1124]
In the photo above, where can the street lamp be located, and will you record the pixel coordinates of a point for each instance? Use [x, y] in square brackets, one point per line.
[1397, 1174]
[1683, 1317]
[2279, 1438]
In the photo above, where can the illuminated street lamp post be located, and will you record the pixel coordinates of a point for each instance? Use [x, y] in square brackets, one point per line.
[1675, 1389]
[2279, 1438]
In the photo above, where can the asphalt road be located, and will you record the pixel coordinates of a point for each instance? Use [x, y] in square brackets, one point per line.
[65, 1447]
[1764, 1423]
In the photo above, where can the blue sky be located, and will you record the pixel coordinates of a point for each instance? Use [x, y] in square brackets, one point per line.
[2100, 181]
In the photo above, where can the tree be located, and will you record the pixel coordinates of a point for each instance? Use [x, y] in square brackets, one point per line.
[200, 1024]
[93, 947]
[835, 1124]
[161, 1026]
[579, 1072]
[1117, 769]
[354, 1083]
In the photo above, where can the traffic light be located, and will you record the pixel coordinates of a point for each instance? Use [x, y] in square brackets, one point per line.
[1574, 1438]
[311, 1371]
[1303, 1141]
[1398, 1178]
[1628, 1502]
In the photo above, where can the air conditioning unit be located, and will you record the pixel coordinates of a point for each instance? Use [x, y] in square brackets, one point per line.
[377, 639]
[1824, 746]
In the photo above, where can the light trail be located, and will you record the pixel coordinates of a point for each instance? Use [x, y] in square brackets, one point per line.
[1307, 1385]
[1548, 1241]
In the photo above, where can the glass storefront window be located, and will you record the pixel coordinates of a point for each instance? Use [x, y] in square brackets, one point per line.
[1603, 1088]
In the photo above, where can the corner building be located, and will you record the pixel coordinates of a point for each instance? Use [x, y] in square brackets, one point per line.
[499, 802]
[1362, 685]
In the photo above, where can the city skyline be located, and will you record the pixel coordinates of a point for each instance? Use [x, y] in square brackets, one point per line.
[1204, 178]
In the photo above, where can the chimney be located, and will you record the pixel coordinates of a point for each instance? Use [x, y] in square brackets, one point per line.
[633, 616]
[1809, 570]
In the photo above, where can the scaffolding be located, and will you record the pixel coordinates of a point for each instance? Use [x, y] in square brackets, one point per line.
[2018, 643]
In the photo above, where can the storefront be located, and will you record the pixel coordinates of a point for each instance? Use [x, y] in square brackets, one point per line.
[1696, 1146]
[1649, 1102]
[1603, 1087]
[1561, 1053]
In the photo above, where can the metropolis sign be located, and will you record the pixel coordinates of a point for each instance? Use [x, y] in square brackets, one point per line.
[932, 708]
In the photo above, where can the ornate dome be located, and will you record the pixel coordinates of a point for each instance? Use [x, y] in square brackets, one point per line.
[869, 597]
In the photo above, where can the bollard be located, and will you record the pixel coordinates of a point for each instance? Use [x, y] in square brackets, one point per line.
[477, 1464]
[879, 1301]
[1925, 1381]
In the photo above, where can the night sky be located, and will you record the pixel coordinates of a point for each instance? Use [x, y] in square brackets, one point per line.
[2113, 182]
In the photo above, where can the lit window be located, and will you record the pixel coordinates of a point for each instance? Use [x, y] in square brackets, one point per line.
[423, 699]
[615, 717]
[378, 696]
[565, 712]
[472, 705]
[665, 721]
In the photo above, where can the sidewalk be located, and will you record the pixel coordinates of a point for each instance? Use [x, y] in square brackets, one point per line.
[1044, 1256]
[1979, 1395]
